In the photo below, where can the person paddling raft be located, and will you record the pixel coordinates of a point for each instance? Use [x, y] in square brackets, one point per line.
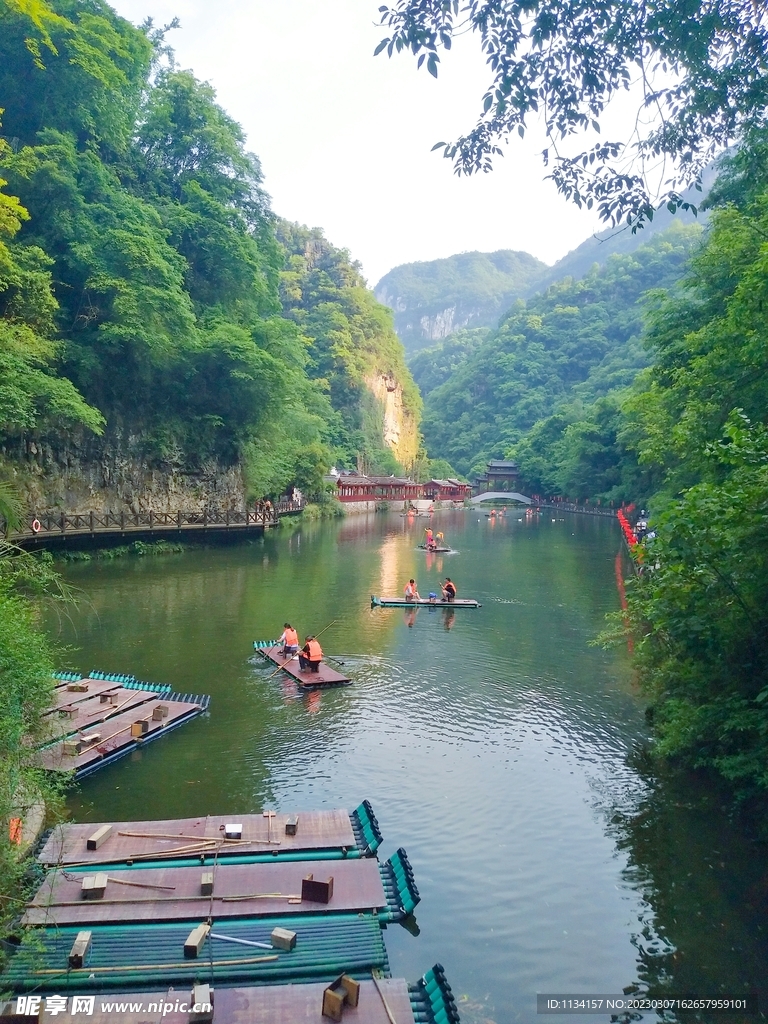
[290, 640]
[311, 655]
[449, 589]
[411, 591]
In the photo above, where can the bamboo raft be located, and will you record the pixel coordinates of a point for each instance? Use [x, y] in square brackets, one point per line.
[165, 893]
[331, 834]
[145, 893]
[439, 550]
[324, 678]
[401, 602]
[94, 721]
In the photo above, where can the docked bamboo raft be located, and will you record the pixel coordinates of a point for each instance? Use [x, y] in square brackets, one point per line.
[176, 893]
[94, 721]
[329, 833]
[401, 602]
[125, 957]
[324, 678]
[276, 1004]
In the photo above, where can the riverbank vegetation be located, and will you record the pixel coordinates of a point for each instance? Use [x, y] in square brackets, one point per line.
[147, 292]
[26, 666]
[646, 382]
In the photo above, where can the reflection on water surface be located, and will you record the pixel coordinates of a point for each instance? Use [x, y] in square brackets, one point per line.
[493, 745]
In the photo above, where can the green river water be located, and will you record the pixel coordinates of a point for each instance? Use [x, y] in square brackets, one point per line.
[497, 746]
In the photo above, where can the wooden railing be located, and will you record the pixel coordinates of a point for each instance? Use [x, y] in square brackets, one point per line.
[58, 524]
[587, 510]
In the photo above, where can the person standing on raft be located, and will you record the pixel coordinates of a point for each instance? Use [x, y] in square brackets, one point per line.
[311, 655]
[430, 539]
[290, 640]
[411, 591]
[449, 589]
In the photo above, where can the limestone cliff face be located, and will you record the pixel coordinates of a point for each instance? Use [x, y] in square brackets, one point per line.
[401, 429]
[114, 474]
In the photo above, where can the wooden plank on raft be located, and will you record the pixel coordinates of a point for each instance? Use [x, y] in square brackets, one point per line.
[95, 710]
[318, 830]
[241, 890]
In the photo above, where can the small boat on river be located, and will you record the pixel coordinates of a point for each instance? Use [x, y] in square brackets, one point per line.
[401, 602]
[440, 549]
[320, 680]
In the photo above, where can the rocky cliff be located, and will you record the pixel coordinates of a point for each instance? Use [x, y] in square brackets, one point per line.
[114, 474]
[399, 426]
[472, 289]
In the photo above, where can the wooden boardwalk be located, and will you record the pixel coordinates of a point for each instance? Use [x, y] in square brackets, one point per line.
[41, 527]
[323, 678]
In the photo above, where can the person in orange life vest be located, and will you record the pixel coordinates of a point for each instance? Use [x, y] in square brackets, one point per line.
[411, 591]
[311, 655]
[290, 640]
[449, 589]
[430, 539]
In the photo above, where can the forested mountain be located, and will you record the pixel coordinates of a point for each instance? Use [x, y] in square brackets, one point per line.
[568, 345]
[142, 279]
[433, 299]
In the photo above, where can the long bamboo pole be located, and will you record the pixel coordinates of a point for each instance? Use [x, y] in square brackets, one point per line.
[158, 967]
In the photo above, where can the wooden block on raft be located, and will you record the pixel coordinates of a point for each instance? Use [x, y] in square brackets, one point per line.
[160, 712]
[292, 825]
[109, 697]
[345, 991]
[89, 738]
[79, 950]
[315, 891]
[77, 687]
[202, 999]
[70, 712]
[93, 842]
[233, 831]
[94, 886]
[283, 938]
[72, 747]
[206, 884]
[140, 728]
[195, 941]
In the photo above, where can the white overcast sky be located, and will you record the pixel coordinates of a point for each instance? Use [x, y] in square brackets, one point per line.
[345, 138]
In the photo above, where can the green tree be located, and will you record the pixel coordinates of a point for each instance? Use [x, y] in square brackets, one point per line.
[703, 68]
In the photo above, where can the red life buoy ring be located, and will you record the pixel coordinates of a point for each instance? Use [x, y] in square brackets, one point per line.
[36, 526]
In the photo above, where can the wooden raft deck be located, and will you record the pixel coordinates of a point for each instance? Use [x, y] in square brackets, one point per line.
[274, 1004]
[63, 697]
[239, 891]
[325, 677]
[154, 840]
[83, 715]
[115, 734]
[289, 1004]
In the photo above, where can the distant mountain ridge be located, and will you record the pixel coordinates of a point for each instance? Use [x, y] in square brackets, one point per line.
[433, 299]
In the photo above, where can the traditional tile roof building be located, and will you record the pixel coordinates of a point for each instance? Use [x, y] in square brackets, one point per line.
[499, 475]
[356, 487]
[447, 490]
